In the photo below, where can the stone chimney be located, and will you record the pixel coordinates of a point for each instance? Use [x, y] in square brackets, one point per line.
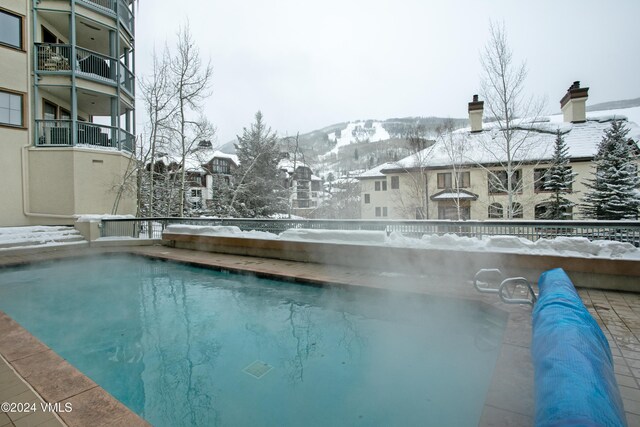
[476, 108]
[573, 103]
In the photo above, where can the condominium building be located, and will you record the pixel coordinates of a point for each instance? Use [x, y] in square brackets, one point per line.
[67, 123]
[463, 176]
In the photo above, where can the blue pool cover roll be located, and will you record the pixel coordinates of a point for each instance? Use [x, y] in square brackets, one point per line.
[574, 380]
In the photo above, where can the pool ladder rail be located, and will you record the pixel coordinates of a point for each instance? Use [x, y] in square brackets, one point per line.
[485, 277]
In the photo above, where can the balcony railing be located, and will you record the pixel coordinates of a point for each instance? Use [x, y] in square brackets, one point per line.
[54, 132]
[126, 16]
[57, 58]
[126, 141]
[113, 7]
[58, 133]
[53, 57]
[127, 80]
[96, 65]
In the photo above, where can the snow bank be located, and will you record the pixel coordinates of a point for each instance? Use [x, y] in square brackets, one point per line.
[559, 246]
[218, 230]
[335, 236]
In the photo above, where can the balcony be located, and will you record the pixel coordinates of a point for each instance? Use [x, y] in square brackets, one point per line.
[58, 133]
[112, 8]
[56, 58]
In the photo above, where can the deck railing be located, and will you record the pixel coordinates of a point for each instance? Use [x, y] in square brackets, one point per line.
[59, 133]
[127, 80]
[96, 65]
[112, 7]
[621, 231]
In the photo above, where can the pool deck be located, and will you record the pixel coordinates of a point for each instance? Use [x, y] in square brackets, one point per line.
[29, 371]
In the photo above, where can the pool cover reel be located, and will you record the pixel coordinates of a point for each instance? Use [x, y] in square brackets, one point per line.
[574, 380]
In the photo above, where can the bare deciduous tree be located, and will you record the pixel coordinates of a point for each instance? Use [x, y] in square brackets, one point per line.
[160, 106]
[191, 80]
[454, 145]
[503, 91]
[413, 200]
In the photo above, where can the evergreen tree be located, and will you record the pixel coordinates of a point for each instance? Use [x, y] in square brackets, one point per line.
[559, 179]
[614, 193]
[258, 187]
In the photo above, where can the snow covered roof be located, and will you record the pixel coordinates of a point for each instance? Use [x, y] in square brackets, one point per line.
[220, 155]
[287, 164]
[376, 172]
[487, 147]
[454, 195]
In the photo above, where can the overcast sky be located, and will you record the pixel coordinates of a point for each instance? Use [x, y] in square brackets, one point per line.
[307, 65]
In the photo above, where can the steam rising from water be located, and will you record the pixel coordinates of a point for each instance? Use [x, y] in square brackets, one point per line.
[170, 341]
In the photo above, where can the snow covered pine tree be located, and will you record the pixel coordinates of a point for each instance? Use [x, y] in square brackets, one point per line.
[614, 192]
[559, 179]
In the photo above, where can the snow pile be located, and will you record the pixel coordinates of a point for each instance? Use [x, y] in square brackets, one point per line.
[218, 230]
[16, 237]
[559, 246]
[335, 236]
[93, 218]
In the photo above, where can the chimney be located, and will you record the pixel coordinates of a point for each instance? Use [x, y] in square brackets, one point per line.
[573, 103]
[476, 108]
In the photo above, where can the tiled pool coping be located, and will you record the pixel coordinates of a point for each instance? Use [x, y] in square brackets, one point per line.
[509, 401]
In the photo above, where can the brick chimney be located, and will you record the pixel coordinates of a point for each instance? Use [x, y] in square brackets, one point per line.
[573, 103]
[476, 108]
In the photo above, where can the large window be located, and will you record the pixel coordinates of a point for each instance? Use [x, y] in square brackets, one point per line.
[381, 185]
[11, 109]
[367, 198]
[498, 181]
[445, 180]
[10, 30]
[395, 182]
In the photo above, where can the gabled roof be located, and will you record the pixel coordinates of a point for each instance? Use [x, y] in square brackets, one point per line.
[220, 155]
[376, 172]
[486, 147]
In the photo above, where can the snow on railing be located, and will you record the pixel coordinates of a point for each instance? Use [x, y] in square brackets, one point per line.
[620, 231]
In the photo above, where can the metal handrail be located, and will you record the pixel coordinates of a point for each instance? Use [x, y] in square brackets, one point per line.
[507, 297]
[482, 273]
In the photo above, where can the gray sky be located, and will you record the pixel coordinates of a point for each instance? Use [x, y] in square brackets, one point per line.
[307, 65]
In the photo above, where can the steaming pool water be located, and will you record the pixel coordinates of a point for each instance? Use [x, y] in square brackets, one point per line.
[187, 346]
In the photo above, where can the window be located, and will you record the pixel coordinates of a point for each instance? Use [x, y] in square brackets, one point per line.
[221, 166]
[11, 111]
[395, 182]
[378, 211]
[196, 192]
[516, 210]
[367, 198]
[384, 185]
[377, 185]
[498, 181]
[449, 210]
[384, 211]
[10, 29]
[495, 211]
[445, 180]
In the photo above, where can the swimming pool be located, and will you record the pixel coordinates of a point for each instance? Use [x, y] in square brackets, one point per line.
[181, 345]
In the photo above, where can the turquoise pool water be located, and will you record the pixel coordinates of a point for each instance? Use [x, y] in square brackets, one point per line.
[186, 346]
